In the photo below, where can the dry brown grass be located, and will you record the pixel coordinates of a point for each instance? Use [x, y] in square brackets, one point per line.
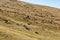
[24, 21]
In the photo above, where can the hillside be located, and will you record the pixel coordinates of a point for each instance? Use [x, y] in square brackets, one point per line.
[24, 21]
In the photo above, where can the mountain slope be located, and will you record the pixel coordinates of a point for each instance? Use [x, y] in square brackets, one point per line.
[23, 21]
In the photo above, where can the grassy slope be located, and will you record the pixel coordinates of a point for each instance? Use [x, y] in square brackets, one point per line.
[41, 22]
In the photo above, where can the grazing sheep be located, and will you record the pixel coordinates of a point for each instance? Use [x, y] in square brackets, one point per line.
[26, 18]
[26, 27]
[7, 21]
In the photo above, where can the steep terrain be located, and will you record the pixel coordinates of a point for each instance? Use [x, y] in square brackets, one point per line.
[24, 21]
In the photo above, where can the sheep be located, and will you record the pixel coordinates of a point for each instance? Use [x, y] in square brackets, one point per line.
[7, 21]
[26, 27]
